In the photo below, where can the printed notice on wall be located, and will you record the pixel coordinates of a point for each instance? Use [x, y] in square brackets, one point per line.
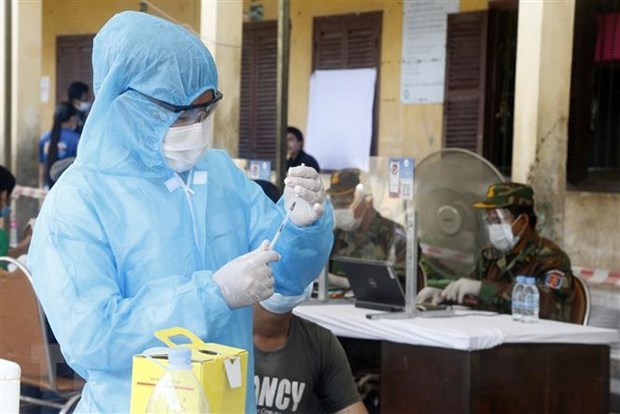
[401, 178]
[424, 50]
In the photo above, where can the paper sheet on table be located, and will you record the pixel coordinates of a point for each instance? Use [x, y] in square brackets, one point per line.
[340, 116]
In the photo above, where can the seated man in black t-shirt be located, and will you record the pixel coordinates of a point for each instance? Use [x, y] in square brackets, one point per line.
[295, 150]
[299, 366]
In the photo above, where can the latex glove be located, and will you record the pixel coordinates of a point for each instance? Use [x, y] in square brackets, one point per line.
[429, 295]
[304, 186]
[247, 279]
[456, 291]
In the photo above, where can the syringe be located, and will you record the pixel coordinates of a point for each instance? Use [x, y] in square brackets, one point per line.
[281, 228]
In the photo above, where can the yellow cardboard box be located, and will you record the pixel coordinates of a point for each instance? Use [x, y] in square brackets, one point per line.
[222, 370]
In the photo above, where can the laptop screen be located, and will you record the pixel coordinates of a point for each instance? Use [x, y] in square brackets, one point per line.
[374, 283]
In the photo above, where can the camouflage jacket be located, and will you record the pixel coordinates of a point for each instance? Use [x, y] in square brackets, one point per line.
[381, 239]
[541, 259]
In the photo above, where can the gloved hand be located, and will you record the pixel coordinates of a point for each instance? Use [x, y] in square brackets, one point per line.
[429, 295]
[456, 291]
[247, 279]
[304, 186]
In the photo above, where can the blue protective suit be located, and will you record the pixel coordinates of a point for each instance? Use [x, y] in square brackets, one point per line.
[122, 249]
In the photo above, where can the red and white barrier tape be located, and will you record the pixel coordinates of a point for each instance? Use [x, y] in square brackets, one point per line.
[31, 192]
[598, 276]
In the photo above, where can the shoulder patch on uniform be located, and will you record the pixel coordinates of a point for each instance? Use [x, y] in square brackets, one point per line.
[555, 279]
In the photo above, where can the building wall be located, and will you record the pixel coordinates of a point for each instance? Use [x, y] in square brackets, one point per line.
[592, 229]
[77, 17]
[407, 130]
[592, 223]
[592, 240]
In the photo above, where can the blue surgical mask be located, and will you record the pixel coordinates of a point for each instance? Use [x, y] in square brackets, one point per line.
[5, 211]
[280, 304]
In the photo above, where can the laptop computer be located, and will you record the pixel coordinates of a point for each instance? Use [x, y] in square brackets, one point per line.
[374, 283]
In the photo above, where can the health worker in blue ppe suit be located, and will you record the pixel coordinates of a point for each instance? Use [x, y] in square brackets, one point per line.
[151, 228]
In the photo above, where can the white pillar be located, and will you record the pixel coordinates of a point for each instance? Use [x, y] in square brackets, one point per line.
[543, 75]
[21, 120]
[5, 97]
[221, 29]
[25, 69]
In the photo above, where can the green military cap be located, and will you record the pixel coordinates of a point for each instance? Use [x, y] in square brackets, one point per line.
[502, 195]
[344, 181]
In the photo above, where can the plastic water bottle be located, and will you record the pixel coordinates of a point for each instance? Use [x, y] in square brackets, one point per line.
[517, 298]
[178, 390]
[531, 301]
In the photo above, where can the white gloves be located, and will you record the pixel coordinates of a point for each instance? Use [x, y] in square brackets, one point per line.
[429, 295]
[304, 186]
[456, 291]
[247, 279]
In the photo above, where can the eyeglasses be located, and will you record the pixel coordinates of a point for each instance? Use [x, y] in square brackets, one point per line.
[189, 114]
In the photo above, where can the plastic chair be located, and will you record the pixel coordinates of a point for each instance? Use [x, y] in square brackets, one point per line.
[23, 339]
[580, 309]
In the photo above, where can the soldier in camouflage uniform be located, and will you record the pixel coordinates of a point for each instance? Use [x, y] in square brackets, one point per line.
[360, 230]
[517, 249]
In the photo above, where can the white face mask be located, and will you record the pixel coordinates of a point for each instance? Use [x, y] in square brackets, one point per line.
[84, 106]
[184, 146]
[344, 218]
[501, 235]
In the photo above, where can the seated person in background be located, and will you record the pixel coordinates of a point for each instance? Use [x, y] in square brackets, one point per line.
[305, 355]
[516, 249]
[7, 184]
[296, 154]
[360, 230]
[308, 357]
[363, 233]
[59, 143]
[79, 96]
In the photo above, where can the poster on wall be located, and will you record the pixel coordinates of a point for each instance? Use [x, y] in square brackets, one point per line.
[424, 50]
[401, 178]
[260, 170]
[340, 117]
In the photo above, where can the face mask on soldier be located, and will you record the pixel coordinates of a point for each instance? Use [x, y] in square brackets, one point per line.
[345, 218]
[501, 235]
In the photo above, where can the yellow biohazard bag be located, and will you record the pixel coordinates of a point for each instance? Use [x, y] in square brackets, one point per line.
[222, 371]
